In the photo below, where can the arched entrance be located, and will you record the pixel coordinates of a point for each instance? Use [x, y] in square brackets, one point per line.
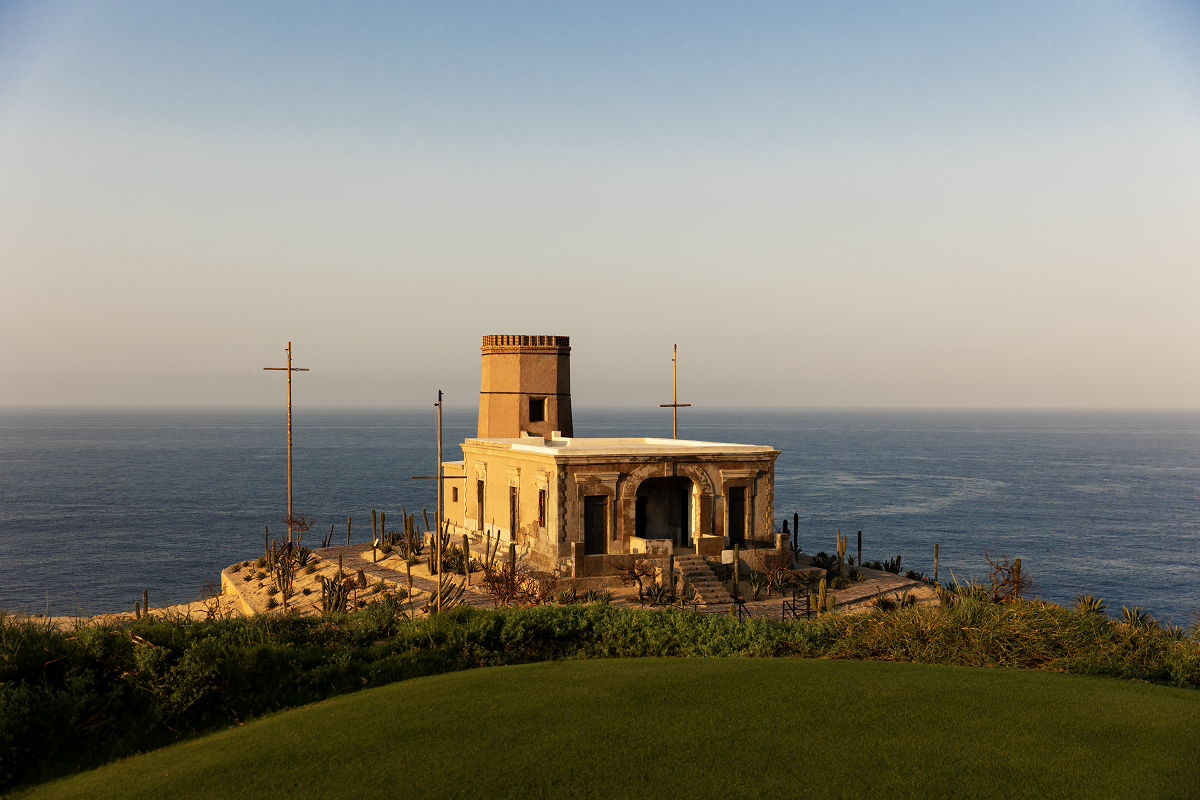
[664, 509]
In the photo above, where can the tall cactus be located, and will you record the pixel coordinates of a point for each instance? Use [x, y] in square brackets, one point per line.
[267, 544]
[374, 542]
[348, 520]
[737, 572]
[821, 590]
[841, 551]
[467, 557]
[146, 602]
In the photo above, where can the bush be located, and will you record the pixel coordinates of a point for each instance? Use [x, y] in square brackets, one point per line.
[74, 699]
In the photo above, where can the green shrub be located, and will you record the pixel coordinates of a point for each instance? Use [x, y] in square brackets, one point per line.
[73, 699]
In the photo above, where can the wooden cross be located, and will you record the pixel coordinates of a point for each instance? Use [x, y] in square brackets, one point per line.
[675, 406]
[290, 369]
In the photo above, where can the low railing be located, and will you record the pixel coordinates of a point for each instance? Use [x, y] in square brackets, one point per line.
[791, 608]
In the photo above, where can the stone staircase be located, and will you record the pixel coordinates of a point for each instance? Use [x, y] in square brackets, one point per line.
[699, 575]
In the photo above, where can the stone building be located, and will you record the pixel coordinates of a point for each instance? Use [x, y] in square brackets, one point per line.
[569, 501]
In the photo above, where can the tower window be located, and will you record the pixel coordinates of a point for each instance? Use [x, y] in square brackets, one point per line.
[454, 494]
[537, 409]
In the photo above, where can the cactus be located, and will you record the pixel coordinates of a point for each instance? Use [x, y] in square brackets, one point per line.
[348, 520]
[448, 595]
[425, 514]
[841, 551]
[935, 562]
[860, 549]
[737, 572]
[334, 595]
[832, 604]
[374, 540]
[137, 610]
[467, 557]
[146, 602]
[512, 557]
[821, 595]
[267, 543]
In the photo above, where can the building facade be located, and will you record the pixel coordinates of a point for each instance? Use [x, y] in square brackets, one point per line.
[564, 499]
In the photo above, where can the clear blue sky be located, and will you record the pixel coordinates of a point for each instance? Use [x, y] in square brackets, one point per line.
[851, 204]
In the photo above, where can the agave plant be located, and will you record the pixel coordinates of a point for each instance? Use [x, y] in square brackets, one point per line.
[1134, 615]
[884, 603]
[657, 595]
[1086, 604]
[1175, 632]
[756, 584]
[825, 561]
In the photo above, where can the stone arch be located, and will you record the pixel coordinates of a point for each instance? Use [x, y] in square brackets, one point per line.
[630, 485]
[699, 477]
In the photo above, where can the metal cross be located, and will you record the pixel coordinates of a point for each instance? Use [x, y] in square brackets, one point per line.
[675, 406]
[290, 369]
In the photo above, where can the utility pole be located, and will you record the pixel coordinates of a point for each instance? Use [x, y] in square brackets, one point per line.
[290, 369]
[675, 405]
[440, 477]
[439, 504]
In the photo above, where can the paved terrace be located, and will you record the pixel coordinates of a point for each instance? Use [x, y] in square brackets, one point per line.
[250, 597]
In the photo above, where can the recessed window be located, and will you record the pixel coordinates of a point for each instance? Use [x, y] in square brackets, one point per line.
[537, 409]
[454, 494]
[541, 508]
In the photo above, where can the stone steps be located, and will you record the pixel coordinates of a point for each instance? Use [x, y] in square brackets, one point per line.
[700, 577]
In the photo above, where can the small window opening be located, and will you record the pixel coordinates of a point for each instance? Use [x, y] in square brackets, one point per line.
[541, 508]
[537, 409]
[454, 494]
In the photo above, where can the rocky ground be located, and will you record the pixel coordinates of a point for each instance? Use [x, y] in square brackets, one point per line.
[246, 590]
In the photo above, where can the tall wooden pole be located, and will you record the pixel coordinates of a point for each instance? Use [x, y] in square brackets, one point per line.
[439, 501]
[290, 369]
[675, 405]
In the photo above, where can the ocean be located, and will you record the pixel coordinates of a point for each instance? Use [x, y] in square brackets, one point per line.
[98, 504]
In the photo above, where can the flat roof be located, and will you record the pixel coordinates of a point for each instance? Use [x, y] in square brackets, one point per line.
[643, 446]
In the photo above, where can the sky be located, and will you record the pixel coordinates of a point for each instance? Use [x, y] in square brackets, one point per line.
[860, 204]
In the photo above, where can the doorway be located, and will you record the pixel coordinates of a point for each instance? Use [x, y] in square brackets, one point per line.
[595, 525]
[737, 515]
[512, 513]
[664, 510]
[479, 504]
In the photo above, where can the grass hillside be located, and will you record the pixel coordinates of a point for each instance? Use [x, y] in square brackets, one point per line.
[680, 727]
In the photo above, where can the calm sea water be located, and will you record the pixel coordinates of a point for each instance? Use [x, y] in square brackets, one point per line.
[96, 505]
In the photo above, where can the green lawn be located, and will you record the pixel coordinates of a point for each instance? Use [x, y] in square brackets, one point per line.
[727, 728]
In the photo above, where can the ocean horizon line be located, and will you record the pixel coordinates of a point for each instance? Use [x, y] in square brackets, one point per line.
[610, 408]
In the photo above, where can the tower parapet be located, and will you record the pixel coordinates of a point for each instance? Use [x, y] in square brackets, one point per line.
[525, 386]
